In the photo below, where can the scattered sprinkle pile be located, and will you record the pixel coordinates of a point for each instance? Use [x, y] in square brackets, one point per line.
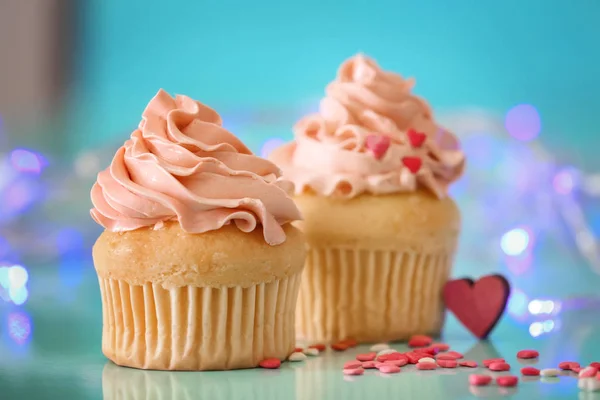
[426, 355]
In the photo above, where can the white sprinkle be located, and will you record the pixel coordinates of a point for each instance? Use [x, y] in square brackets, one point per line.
[297, 356]
[311, 352]
[550, 372]
[387, 351]
[379, 346]
[426, 360]
[589, 384]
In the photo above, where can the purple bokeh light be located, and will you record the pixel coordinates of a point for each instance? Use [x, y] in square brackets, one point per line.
[27, 161]
[564, 181]
[523, 122]
[19, 327]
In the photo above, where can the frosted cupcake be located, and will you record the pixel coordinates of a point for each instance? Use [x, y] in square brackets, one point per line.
[199, 267]
[371, 173]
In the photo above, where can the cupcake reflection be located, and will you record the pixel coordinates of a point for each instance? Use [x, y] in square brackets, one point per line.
[121, 383]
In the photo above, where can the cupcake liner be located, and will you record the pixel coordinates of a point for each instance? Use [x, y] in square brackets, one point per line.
[371, 295]
[197, 328]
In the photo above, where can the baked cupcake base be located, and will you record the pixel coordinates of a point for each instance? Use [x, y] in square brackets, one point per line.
[371, 295]
[237, 308]
[376, 266]
[195, 328]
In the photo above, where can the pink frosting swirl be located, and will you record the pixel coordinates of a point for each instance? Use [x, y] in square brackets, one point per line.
[333, 153]
[182, 165]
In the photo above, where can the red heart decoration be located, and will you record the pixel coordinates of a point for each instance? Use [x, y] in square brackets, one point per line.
[415, 138]
[378, 145]
[478, 305]
[412, 163]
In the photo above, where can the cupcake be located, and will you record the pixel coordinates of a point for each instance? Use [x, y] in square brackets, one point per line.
[199, 266]
[371, 172]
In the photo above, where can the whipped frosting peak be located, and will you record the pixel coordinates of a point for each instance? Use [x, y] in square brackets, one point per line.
[371, 135]
[182, 165]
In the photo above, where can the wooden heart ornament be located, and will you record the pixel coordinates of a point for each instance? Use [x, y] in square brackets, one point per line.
[478, 305]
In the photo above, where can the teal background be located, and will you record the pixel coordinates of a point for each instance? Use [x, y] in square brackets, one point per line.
[238, 56]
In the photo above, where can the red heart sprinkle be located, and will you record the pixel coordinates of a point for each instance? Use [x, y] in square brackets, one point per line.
[378, 145]
[412, 163]
[415, 138]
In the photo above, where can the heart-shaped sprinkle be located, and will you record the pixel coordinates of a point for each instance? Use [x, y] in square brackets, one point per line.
[412, 163]
[415, 138]
[378, 145]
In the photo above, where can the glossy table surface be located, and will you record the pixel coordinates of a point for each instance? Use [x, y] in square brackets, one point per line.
[50, 349]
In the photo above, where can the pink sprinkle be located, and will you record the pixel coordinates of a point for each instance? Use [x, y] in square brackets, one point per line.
[447, 363]
[499, 366]
[398, 363]
[479, 380]
[489, 361]
[354, 371]
[419, 341]
[352, 364]
[596, 365]
[588, 372]
[392, 356]
[576, 369]
[568, 365]
[440, 346]
[426, 366]
[507, 381]
[468, 363]
[430, 351]
[414, 357]
[366, 356]
[369, 364]
[527, 354]
[451, 355]
[389, 369]
[530, 371]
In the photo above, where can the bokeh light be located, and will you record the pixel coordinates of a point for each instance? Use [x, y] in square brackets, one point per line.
[523, 122]
[13, 281]
[537, 307]
[270, 145]
[19, 327]
[517, 303]
[539, 328]
[17, 276]
[516, 241]
[27, 161]
[564, 181]
[18, 295]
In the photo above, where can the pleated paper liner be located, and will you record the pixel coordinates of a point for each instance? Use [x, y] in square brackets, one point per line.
[371, 295]
[197, 328]
[134, 384]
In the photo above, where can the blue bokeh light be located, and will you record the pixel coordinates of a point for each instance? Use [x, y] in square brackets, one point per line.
[523, 122]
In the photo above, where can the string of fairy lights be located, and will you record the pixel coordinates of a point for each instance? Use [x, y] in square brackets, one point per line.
[43, 218]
